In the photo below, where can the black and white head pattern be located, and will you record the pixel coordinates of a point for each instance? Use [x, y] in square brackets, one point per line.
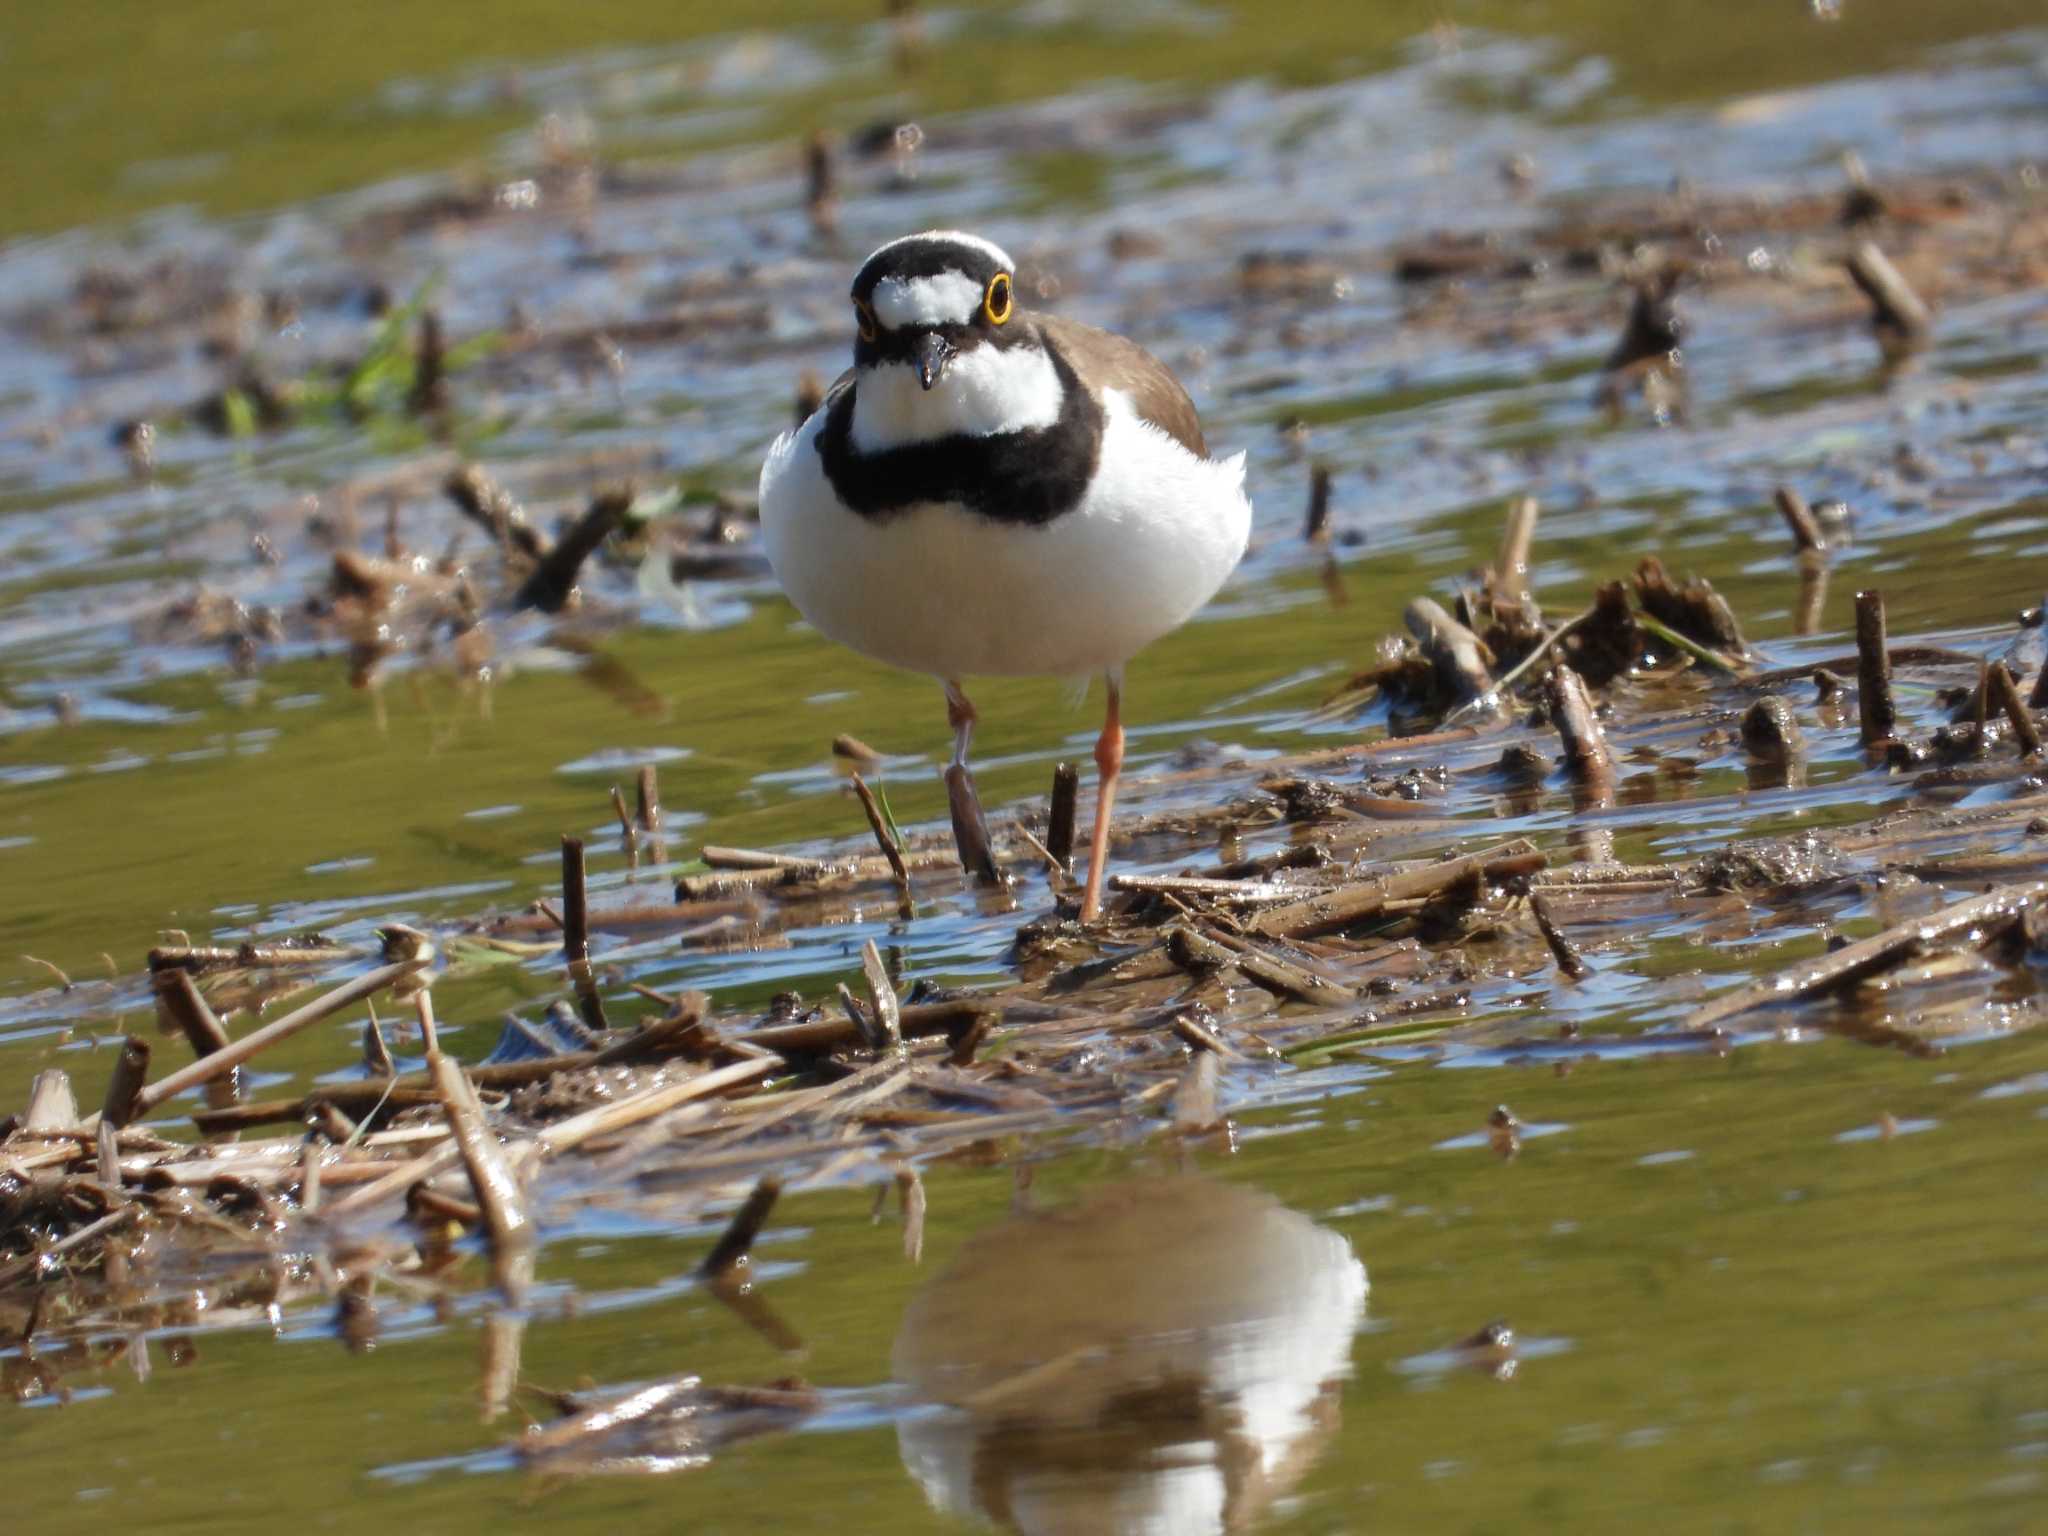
[942, 281]
[955, 396]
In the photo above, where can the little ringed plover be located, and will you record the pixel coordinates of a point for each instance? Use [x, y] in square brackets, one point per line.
[993, 492]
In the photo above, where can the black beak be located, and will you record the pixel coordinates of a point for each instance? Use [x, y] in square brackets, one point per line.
[933, 353]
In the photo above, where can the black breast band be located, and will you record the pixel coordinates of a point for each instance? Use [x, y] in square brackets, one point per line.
[1027, 478]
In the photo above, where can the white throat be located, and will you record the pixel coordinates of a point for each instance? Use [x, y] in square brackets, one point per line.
[986, 390]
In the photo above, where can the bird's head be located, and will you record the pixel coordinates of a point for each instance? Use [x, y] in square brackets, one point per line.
[927, 301]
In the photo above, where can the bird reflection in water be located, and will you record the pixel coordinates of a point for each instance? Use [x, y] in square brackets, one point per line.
[1164, 1357]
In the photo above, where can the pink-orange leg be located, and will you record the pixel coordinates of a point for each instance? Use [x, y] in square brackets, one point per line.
[959, 715]
[1109, 763]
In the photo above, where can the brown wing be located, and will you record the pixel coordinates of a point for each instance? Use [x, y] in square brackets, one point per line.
[1108, 361]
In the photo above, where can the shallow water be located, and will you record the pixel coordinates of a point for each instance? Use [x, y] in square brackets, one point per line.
[1792, 1286]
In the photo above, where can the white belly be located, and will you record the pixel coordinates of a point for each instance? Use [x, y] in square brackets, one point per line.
[942, 590]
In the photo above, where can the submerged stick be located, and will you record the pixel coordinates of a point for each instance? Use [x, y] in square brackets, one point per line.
[1195, 1108]
[257, 1041]
[1336, 910]
[1459, 656]
[124, 1088]
[1877, 713]
[720, 857]
[737, 1241]
[644, 1106]
[1899, 317]
[648, 795]
[888, 1012]
[576, 934]
[1317, 526]
[416, 1088]
[970, 828]
[554, 579]
[1806, 532]
[917, 1021]
[911, 1188]
[506, 1218]
[1275, 973]
[1587, 756]
[1562, 949]
[2006, 693]
[1511, 568]
[1059, 823]
[1493, 700]
[1866, 957]
[180, 999]
[485, 503]
[107, 1143]
[401, 1177]
[575, 903]
[1813, 592]
[884, 838]
[821, 197]
[51, 1104]
[208, 957]
[88, 1233]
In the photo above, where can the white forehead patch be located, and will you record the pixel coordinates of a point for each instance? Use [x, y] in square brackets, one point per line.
[945, 298]
[988, 248]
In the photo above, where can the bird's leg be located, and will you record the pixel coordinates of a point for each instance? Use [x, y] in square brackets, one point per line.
[1109, 763]
[970, 830]
[961, 716]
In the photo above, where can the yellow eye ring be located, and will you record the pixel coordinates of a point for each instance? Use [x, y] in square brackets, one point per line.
[997, 301]
[864, 320]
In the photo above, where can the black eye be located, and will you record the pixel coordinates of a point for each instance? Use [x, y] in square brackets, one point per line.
[996, 302]
[864, 319]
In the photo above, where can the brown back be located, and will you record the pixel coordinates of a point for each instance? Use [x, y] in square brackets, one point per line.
[1108, 361]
